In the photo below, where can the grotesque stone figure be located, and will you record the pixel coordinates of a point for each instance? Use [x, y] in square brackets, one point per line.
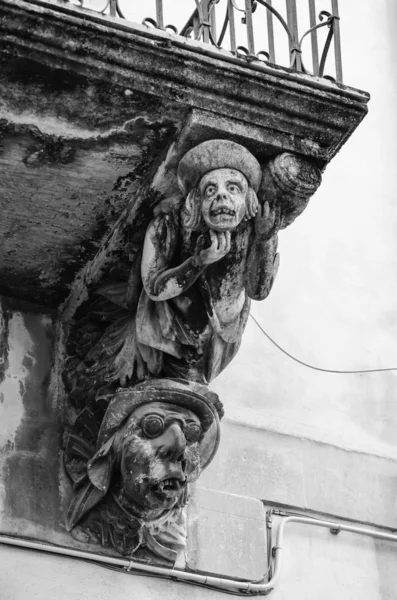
[204, 259]
[175, 309]
[207, 252]
[131, 488]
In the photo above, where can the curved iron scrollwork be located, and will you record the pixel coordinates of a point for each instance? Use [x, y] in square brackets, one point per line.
[201, 26]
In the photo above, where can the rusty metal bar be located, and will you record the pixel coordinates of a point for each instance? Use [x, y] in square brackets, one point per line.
[232, 25]
[292, 21]
[159, 14]
[270, 34]
[206, 23]
[250, 27]
[113, 8]
[337, 44]
[313, 36]
[196, 27]
[295, 50]
[213, 22]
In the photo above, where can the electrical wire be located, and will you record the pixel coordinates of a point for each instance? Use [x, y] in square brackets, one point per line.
[208, 586]
[157, 576]
[305, 364]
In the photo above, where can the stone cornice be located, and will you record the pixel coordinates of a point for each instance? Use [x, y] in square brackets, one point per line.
[290, 111]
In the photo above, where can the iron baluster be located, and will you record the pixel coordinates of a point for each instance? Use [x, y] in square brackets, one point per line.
[113, 8]
[337, 43]
[294, 46]
[205, 22]
[224, 28]
[270, 35]
[202, 25]
[212, 20]
[159, 14]
[314, 40]
[232, 25]
[330, 23]
[250, 27]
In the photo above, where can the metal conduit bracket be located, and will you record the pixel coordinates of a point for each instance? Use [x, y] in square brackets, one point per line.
[335, 530]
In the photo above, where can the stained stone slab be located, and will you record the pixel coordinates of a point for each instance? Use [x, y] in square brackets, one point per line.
[226, 535]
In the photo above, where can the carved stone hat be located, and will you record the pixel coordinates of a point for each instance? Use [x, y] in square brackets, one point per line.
[217, 154]
[194, 396]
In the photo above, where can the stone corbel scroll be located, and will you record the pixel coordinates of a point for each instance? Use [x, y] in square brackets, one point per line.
[147, 346]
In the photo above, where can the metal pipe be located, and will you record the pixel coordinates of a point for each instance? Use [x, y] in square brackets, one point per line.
[226, 585]
[334, 527]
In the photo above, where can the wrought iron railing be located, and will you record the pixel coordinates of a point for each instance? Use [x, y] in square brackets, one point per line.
[245, 26]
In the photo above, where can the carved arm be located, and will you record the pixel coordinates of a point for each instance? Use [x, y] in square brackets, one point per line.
[262, 266]
[159, 280]
[263, 260]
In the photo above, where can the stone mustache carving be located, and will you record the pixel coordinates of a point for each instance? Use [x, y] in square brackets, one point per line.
[162, 332]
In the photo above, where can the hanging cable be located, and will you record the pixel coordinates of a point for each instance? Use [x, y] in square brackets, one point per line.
[305, 364]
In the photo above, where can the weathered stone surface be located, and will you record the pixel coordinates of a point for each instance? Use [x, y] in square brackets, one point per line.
[29, 434]
[292, 471]
[70, 148]
[226, 535]
[89, 104]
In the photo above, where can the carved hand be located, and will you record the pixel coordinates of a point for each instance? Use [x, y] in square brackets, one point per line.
[220, 246]
[267, 221]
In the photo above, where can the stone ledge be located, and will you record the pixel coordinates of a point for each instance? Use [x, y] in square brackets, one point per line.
[299, 113]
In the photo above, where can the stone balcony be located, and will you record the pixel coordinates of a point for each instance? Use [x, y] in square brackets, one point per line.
[90, 105]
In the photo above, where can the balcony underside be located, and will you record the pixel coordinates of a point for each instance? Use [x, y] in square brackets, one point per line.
[89, 105]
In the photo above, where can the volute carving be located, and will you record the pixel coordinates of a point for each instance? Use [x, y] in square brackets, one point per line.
[150, 339]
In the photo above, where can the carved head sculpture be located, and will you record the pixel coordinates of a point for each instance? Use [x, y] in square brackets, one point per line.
[219, 179]
[154, 440]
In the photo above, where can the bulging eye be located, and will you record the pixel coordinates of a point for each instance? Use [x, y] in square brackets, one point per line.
[233, 188]
[193, 432]
[210, 190]
[152, 426]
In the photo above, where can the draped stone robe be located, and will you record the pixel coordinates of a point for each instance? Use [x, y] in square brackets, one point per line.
[195, 333]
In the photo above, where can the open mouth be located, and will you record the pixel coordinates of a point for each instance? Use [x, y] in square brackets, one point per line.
[223, 211]
[168, 488]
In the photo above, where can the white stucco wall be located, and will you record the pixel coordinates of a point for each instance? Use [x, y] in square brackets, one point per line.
[333, 304]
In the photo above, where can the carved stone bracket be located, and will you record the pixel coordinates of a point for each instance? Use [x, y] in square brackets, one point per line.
[132, 456]
[164, 322]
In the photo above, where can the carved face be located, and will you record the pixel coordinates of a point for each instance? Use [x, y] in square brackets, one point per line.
[223, 198]
[160, 454]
